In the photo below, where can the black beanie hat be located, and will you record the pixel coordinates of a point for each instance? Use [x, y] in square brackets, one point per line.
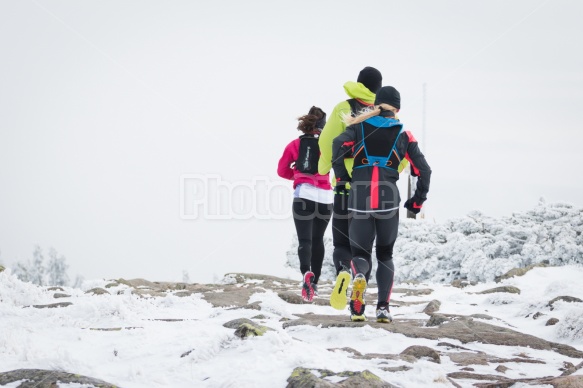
[371, 78]
[388, 95]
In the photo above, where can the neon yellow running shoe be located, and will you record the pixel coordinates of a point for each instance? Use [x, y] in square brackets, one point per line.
[357, 304]
[338, 297]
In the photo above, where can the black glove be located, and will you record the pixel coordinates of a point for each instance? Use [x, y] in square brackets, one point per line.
[340, 189]
[414, 204]
[341, 183]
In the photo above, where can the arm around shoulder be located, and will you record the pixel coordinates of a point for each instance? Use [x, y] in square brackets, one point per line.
[342, 148]
[334, 127]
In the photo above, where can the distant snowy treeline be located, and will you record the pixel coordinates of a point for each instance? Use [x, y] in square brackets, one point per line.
[43, 271]
[478, 247]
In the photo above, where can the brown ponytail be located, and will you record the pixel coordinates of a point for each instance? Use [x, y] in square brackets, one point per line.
[313, 121]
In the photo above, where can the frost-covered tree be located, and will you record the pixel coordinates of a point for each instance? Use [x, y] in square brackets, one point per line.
[185, 277]
[32, 271]
[57, 269]
[39, 271]
[78, 281]
[21, 272]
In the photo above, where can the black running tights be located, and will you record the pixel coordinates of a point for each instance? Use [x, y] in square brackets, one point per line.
[340, 223]
[363, 228]
[311, 219]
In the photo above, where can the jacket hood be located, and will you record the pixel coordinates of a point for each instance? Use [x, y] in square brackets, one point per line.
[358, 90]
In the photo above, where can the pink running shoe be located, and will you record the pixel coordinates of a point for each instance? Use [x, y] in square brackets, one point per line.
[308, 287]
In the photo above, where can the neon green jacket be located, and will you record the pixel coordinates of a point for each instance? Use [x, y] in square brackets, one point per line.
[335, 126]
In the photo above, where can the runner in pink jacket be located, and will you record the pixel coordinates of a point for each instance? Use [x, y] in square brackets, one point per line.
[313, 197]
[286, 168]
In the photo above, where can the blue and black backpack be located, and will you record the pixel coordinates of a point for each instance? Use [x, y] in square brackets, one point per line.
[371, 149]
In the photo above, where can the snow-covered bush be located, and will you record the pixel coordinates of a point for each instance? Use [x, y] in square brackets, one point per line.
[571, 327]
[477, 247]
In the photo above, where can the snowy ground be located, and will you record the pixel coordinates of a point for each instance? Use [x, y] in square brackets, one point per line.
[172, 341]
[197, 351]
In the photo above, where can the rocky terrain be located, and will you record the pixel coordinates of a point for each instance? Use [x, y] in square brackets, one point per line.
[452, 341]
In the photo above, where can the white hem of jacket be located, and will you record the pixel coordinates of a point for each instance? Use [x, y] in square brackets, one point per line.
[314, 193]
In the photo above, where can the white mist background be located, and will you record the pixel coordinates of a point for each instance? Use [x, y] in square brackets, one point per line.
[106, 106]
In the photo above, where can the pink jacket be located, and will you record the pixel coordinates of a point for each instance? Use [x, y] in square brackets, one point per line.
[285, 169]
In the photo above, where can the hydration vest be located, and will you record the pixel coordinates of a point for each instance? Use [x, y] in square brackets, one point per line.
[371, 149]
[309, 154]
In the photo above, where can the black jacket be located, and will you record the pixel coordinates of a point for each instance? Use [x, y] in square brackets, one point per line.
[378, 145]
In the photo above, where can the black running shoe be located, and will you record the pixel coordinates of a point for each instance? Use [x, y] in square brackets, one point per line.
[383, 315]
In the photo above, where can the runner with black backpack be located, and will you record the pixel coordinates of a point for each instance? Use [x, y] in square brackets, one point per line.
[362, 97]
[313, 197]
[377, 144]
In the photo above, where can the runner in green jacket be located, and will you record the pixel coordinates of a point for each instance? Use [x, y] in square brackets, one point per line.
[361, 96]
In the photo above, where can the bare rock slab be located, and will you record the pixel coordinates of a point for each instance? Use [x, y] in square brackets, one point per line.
[52, 305]
[518, 272]
[246, 328]
[432, 307]
[568, 299]
[507, 289]
[555, 382]
[304, 378]
[40, 378]
[97, 291]
[422, 352]
[465, 330]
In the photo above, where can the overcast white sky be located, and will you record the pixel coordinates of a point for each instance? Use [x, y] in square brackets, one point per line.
[106, 105]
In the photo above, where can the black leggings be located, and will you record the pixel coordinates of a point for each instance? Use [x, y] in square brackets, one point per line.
[341, 219]
[364, 227]
[311, 219]
[340, 223]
